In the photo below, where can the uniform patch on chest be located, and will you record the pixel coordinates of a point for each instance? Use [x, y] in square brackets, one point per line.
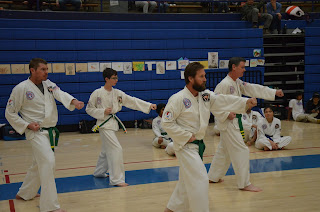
[120, 99]
[98, 100]
[244, 117]
[187, 103]
[29, 95]
[254, 117]
[264, 126]
[299, 103]
[206, 97]
[168, 116]
[276, 126]
[158, 122]
[232, 89]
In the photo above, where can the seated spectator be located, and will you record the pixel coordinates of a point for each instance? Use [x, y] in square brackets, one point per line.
[274, 9]
[296, 109]
[161, 139]
[269, 130]
[62, 4]
[163, 6]
[147, 6]
[250, 12]
[313, 105]
[33, 3]
[222, 7]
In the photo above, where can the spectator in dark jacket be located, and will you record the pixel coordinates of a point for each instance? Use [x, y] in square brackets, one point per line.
[274, 9]
[313, 105]
[251, 12]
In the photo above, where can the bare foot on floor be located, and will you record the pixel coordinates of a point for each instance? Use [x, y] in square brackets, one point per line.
[220, 181]
[59, 210]
[122, 184]
[18, 197]
[167, 210]
[251, 188]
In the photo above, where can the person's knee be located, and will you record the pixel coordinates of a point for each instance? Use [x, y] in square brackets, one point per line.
[269, 17]
[255, 10]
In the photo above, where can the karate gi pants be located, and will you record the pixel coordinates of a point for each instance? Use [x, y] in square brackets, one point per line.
[41, 173]
[231, 149]
[191, 191]
[308, 117]
[169, 149]
[110, 158]
[282, 142]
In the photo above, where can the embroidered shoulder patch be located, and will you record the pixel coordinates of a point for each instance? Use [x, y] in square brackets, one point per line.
[120, 99]
[29, 95]
[206, 97]
[187, 103]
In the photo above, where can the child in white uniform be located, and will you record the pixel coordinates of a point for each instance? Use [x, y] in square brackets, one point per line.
[103, 104]
[249, 121]
[161, 140]
[269, 130]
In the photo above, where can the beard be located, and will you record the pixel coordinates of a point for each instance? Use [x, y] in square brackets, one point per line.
[199, 87]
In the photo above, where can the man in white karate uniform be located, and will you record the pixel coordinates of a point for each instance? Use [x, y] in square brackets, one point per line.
[161, 140]
[231, 147]
[34, 99]
[186, 119]
[103, 104]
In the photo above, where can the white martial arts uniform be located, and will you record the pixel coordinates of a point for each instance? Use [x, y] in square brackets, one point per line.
[249, 119]
[273, 131]
[111, 156]
[231, 147]
[184, 116]
[34, 106]
[298, 112]
[159, 132]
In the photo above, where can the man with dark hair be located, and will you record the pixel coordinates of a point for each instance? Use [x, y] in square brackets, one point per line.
[161, 140]
[231, 147]
[186, 119]
[297, 111]
[250, 12]
[34, 99]
[103, 104]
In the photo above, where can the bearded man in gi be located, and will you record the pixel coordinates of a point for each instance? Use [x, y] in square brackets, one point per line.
[186, 119]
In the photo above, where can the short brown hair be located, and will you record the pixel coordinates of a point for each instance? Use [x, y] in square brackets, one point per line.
[235, 61]
[34, 63]
[108, 72]
[191, 70]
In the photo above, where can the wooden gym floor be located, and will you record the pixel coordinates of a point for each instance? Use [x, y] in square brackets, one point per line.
[289, 178]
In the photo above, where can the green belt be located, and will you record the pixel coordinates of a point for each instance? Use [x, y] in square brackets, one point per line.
[164, 133]
[240, 125]
[201, 145]
[50, 130]
[121, 125]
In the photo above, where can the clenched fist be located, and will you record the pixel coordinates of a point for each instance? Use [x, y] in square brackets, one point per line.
[251, 102]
